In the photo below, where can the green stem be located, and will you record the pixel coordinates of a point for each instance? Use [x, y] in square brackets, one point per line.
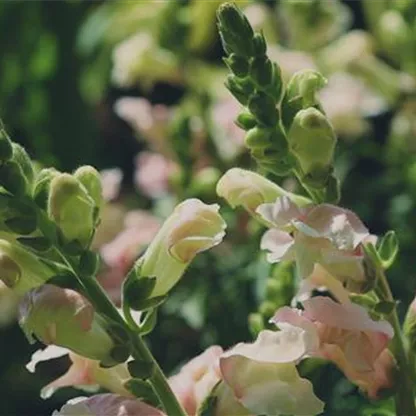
[405, 400]
[103, 304]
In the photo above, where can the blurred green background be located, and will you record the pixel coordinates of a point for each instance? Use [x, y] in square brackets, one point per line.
[56, 98]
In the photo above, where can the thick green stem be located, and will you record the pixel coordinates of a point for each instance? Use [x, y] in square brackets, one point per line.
[405, 399]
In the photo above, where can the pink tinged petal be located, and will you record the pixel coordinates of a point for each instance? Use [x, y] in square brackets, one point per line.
[108, 404]
[48, 353]
[111, 181]
[346, 316]
[269, 388]
[288, 318]
[341, 226]
[281, 213]
[286, 346]
[321, 279]
[279, 244]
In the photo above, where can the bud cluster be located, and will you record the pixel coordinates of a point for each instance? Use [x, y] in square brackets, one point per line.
[287, 130]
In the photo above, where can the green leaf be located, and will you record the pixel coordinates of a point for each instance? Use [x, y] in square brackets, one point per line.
[146, 304]
[388, 249]
[22, 225]
[141, 369]
[88, 263]
[40, 244]
[384, 307]
[142, 390]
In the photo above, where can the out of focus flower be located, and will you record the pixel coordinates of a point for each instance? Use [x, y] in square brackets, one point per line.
[196, 379]
[250, 190]
[230, 137]
[20, 270]
[8, 305]
[139, 229]
[349, 338]
[290, 61]
[263, 376]
[324, 234]
[65, 318]
[150, 121]
[106, 405]
[192, 228]
[347, 101]
[83, 373]
[152, 174]
[111, 181]
[138, 60]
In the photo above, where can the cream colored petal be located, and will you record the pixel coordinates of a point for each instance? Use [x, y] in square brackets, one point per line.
[279, 244]
[48, 353]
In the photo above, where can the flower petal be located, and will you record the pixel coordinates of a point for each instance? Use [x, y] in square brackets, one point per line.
[279, 244]
[48, 353]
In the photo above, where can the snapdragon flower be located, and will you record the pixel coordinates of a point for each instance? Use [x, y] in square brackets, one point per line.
[250, 190]
[84, 373]
[263, 377]
[106, 405]
[192, 228]
[65, 318]
[348, 337]
[325, 234]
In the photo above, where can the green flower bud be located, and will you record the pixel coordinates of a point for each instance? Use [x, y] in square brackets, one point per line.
[12, 178]
[192, 228]
[41, 187]
[205, 181]
[6, 149]
[91, 180]
[237, 64]
[388, 249]
[240, 89]
[263, 108]
[246, 121]
[409, 326]
[260, 45]
[395, 35]
[312, 140]
[21, 157]
[235, 30]
[65, 318]
[258, 137]
[262, 71]
[301, 93]
[249, 189]
[72, 209]
[267, 309]
[20, 270]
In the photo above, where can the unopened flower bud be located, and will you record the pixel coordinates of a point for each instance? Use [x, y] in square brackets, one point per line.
[192, 228]
[312, 140]
[409, 326]
[263, 108]
[71, 208]
[238, 64]
[91, 180]
[205, 181]
[395, 34]
[235, 30]
[246, 121]
[42, 184]
[20, 270]
[248, 189]
[65, 318]
[301, 93]
[239, 88]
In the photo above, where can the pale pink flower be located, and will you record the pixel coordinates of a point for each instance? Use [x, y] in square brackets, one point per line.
[196, 379]
[139, 229]
[229, 137]
[83, 373]
[151, 121]
[152, 174]
[107, 405]
[348, 337]
[263, 377]
[111, 181]
[324, 234]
